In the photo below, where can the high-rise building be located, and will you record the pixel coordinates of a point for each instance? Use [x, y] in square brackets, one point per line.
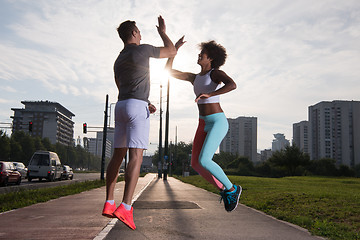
[301, 136]
[95, 145]
[241, 137]
[265, 154]
[48, 119]
[280, 142]
[334, 129]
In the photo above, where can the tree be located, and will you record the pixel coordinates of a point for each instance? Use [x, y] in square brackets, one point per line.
[4, 146]
[21, 146]
[16, 151]
[180, 155]
[38, 144]
[245, 167]
[224, 159]
[291, 159]
[323, 167]
[345, 171]
[47, 144]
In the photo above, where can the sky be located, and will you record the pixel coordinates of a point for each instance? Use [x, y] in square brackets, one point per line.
[283, 55]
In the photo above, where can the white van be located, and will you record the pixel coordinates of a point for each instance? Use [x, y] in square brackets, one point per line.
[45, 164]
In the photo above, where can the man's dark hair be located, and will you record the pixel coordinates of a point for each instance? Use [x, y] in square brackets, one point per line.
[125, 30]
[214, 51]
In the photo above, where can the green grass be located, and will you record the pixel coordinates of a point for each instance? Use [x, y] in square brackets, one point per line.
[25, 198]
[328, 207]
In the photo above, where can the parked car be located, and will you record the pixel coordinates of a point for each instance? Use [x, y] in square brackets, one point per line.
[45, 164]
[9, 174]
[67, 173]
[21, 168]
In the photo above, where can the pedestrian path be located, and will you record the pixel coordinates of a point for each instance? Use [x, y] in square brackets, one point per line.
[163, 210]
[175, 210]
[71, 217]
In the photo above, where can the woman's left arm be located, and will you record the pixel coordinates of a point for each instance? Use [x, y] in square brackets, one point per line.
[219, 76]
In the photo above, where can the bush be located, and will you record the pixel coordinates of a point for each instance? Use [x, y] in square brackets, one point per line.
[345, 171]
[357, 170]
[323, 167]
[291, 160]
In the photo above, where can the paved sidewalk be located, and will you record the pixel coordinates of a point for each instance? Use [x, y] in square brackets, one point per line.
[165, 210]
[71, 217]
[175, 210]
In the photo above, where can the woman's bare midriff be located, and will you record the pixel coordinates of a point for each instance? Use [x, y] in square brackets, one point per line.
[209, 108]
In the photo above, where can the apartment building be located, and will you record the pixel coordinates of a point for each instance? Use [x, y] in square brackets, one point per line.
[301, 136]
[280, 142]
[95, 145]
[48, 119]
[334, 129]
[241, 137]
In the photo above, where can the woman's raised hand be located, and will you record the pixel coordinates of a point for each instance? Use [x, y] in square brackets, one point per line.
[179, 43]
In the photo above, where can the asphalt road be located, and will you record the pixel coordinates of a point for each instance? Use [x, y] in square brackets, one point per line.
[36, 184]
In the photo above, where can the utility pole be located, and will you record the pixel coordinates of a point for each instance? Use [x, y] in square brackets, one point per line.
[104, 138]
[166, 154]
[160, 136]
[175, 151]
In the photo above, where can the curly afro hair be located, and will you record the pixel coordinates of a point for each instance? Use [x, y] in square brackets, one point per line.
[214, 51]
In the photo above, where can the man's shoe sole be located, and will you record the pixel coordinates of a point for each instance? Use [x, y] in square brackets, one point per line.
[109, 215]
[124, 221]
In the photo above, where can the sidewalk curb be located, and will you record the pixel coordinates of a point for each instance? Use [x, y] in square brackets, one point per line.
[269, 216]
[113, 222]
[282, 221]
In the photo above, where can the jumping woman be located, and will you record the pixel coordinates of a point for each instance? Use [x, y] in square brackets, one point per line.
[213, 124]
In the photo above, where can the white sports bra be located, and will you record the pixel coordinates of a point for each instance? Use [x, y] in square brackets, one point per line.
[204, 84]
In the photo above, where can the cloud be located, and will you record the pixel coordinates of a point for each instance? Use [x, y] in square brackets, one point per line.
[8, 89]
[284, 56]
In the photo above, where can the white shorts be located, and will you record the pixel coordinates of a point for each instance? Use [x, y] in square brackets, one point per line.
[132, 124]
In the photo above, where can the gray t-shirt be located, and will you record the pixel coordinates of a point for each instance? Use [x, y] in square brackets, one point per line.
[132, 71]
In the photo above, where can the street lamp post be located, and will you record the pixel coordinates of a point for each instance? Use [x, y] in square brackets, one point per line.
[104, 138]
[166, 154]
[160, 137]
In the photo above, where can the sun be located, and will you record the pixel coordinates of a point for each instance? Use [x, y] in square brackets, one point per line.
[158, 73]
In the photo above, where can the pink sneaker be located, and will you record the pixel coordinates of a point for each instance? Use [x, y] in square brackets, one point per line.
[125, 216]
[109, 210]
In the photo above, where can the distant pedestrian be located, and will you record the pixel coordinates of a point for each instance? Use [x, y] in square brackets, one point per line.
[165, 169]
[213, 124]
[159, 170]
[132, 123]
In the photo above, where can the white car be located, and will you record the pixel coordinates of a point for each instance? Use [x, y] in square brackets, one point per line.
[20, 167]
[67, 173]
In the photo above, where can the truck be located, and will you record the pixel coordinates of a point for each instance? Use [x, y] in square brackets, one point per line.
[44, 164]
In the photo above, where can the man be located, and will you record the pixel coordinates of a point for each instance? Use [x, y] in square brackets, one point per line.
[132, 123]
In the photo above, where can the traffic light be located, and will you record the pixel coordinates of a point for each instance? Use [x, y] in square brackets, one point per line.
[30, 126]
[84, 128]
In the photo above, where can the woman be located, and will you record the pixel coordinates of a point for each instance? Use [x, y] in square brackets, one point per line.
[213, 124]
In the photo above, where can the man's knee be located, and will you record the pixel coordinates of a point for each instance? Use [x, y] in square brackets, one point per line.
[136, 154]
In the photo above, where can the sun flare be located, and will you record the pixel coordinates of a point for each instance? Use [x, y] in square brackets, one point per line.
[158, 73]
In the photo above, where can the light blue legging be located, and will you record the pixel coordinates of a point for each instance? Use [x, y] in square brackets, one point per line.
[211, 131]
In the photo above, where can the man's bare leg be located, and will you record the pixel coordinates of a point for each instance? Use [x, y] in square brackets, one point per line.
[132, 173]
[112, 171]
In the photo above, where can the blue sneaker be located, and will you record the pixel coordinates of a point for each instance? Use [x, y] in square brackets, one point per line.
[231, 199]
